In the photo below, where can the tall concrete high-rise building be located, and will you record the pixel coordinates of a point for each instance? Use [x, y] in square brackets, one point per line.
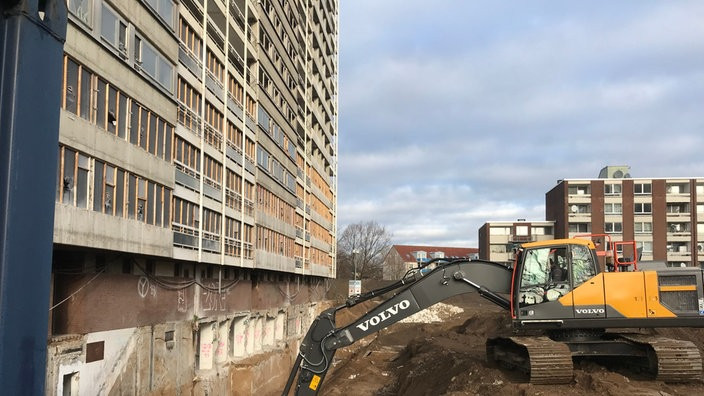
[664, 216]
[196, 193]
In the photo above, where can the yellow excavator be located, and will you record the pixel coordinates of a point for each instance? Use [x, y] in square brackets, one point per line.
[561, 304]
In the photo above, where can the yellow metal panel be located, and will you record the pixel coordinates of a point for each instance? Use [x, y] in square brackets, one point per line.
[590, 292]
[625, 292]
[652, 292]
[678, 288]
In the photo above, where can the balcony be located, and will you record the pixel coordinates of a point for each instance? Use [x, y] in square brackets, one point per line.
[522, 238]
[190, 61]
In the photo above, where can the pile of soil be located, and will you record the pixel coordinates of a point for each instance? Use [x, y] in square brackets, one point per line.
[449, 358]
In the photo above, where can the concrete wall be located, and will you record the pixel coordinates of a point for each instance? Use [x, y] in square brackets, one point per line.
[233, 352]
[241, 354]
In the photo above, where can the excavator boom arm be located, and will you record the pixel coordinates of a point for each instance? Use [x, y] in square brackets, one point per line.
[450, 279]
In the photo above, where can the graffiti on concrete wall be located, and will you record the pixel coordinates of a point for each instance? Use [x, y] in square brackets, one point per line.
[214, 300]
[145, 288]
[181, 302]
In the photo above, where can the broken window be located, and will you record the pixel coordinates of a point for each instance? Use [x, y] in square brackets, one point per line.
[68, 177]
[112, 110]
[141, 199]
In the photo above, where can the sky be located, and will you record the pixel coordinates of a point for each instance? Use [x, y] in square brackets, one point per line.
[455, 113]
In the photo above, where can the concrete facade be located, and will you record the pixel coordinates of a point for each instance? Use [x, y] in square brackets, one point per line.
[196, 194]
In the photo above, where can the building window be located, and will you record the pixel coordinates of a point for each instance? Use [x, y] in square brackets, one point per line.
[645, 246]
[499, 230]
[114, 30]
[580, 227]
[103, 104]
[644, 227]
[612, 208]
[187, 157]
[642, 188]
[612, 189]
[578, 190]
[612, 227]
[680, 188]
[677, 208]
[82, 9]
[521, 230]
[643, 208]
[498, 248]
[153, 63]
[541, 231]
[190, 39]
[212, 170]
[165, 10]
[109, 185]
[263, 158]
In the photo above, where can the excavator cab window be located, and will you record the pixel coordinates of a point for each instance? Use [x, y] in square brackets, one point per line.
[583, 264]
[545, 275]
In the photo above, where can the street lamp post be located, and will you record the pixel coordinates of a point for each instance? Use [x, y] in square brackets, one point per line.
[354, 262]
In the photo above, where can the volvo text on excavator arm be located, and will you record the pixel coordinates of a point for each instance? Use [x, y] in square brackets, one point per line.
[448, 279]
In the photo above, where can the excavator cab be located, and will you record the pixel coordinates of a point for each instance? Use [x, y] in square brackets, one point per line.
[546, 275]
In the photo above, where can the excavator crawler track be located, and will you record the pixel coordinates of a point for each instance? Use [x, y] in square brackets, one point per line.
[670, 360]
[545, 361]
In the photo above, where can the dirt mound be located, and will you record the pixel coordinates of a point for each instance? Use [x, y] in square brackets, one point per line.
[449, 358]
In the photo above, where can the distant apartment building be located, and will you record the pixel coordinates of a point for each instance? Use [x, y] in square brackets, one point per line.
[499, 239]
[196, 197]
[664, 216]
[402, 258]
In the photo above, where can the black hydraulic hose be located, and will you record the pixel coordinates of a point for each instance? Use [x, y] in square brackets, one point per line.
[292, 375]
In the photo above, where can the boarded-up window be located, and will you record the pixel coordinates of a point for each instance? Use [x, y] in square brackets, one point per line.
[95, 351]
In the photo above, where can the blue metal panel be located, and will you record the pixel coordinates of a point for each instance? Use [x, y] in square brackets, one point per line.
[30, 93]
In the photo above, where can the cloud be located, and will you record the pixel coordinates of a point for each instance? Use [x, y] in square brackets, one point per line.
[471, 112]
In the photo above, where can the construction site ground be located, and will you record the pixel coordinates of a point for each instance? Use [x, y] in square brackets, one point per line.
[442, 352]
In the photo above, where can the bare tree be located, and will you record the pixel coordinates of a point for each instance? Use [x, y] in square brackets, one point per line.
[365, 245]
